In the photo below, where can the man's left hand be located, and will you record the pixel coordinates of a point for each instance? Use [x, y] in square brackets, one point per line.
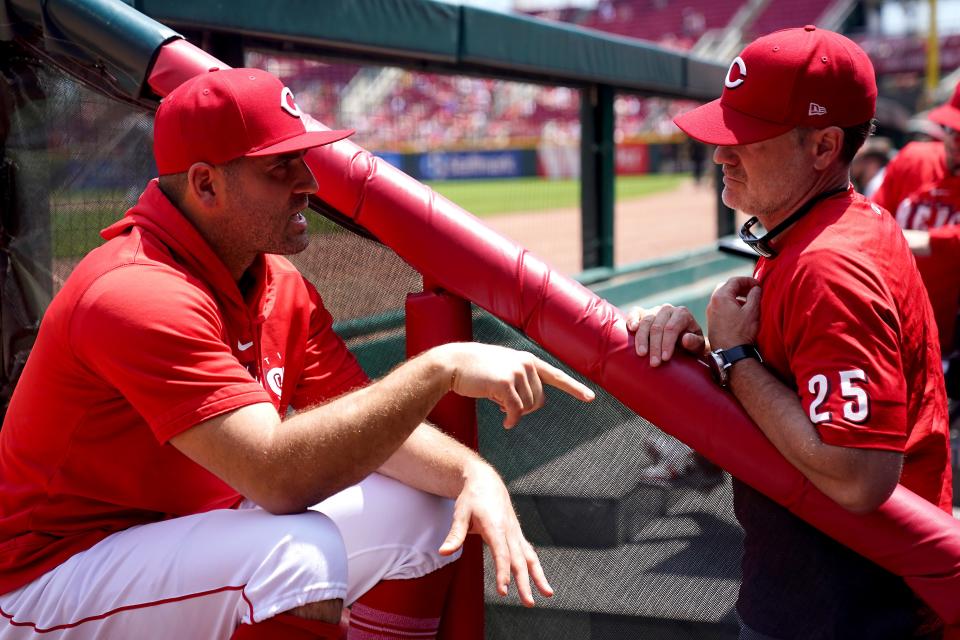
[484, 507]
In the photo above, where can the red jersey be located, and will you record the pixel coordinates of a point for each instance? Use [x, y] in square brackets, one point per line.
[845, 322]
[149, 336]
[921, 194]
[917, 165]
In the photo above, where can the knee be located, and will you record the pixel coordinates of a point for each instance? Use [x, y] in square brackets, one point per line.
[316, 540]
[301, 549]
[328, 611]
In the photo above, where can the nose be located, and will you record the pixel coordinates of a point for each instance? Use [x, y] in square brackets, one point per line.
[305, 181]
[724, 155]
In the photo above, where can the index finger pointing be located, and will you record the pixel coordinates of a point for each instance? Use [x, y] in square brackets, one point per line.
[557, 378]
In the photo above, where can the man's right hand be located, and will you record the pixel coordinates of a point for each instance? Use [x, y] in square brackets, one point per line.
[512, 379]
[660, 329]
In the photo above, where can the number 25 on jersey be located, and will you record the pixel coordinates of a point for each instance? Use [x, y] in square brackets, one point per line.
[852, 389]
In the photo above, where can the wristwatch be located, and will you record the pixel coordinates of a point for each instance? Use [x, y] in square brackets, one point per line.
[722, 359]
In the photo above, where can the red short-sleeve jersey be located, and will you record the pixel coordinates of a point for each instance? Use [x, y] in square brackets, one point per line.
[846, 322]
[916, 165]
[921, 194]
[148, 337]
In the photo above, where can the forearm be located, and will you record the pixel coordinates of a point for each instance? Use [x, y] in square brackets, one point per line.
[854, 478]
[432, 461]
[328, 448]
[290, 466]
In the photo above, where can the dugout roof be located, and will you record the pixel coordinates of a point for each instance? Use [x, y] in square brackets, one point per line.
[418, 33]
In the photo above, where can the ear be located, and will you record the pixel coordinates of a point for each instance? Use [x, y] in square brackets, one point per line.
[828, 146]
[205, 185]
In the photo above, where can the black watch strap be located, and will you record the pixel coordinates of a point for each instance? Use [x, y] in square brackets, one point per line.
[738, 353]
[722, 359]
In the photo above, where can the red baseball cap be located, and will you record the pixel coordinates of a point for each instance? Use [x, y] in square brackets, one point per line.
[948, 115]
[805, 77]
[224, 114]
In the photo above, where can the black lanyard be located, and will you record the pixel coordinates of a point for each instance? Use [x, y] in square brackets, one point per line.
[762, 245]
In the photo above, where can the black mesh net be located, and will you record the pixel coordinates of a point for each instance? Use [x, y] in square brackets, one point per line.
[635, 533]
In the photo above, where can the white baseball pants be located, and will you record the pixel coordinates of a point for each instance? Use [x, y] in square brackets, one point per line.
[199, 576]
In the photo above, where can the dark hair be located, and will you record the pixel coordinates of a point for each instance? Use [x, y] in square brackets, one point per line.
[174, 185]
[854, 137]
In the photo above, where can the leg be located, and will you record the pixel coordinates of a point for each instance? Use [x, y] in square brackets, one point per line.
[193, 577]
[398, 581]
[391, 531]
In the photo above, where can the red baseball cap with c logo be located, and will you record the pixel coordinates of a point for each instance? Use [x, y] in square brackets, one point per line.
[224, 114]
[948, 115]
[806, 77]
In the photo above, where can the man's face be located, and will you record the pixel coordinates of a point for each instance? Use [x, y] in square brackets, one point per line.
[265, 200]
[765, 179]
[951, 145]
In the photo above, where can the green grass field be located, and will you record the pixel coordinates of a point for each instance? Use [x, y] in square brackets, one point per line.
[492, 197]
[77, 220]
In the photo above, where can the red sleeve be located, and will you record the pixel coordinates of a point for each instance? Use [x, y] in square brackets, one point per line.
[329, 368]
[916, 165]
[158, 339]
[843, 346]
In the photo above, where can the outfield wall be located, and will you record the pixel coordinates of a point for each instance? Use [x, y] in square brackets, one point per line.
[554, 161]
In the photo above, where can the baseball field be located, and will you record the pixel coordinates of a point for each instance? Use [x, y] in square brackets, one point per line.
[78, 218]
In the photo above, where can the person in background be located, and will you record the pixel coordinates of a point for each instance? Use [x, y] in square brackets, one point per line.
[921, 188]
[869, 165]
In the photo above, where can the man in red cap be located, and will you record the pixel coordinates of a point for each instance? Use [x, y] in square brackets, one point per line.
[921, 187]
[830, 347]
[152, 483]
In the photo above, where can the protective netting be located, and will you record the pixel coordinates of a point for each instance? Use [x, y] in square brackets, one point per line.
[508, 152]
[631, 550]
[73, 161]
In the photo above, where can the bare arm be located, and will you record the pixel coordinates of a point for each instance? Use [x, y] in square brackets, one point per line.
[287, 467]
[857, 479]
[918, 241]
[290, 466]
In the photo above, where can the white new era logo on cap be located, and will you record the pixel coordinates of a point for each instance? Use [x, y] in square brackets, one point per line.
[816, 110]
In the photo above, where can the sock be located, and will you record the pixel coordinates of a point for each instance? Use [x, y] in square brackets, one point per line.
[401, 609]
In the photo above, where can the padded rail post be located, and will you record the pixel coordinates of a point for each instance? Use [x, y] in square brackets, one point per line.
[435, 318]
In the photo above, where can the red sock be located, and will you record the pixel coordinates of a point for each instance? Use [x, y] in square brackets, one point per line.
[401, 608]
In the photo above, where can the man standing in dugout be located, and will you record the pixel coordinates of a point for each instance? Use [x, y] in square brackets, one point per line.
[831, 347]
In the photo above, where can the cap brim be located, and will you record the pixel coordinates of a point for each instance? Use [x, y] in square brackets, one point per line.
[306, 140]
[716, 123]
[946, 115]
